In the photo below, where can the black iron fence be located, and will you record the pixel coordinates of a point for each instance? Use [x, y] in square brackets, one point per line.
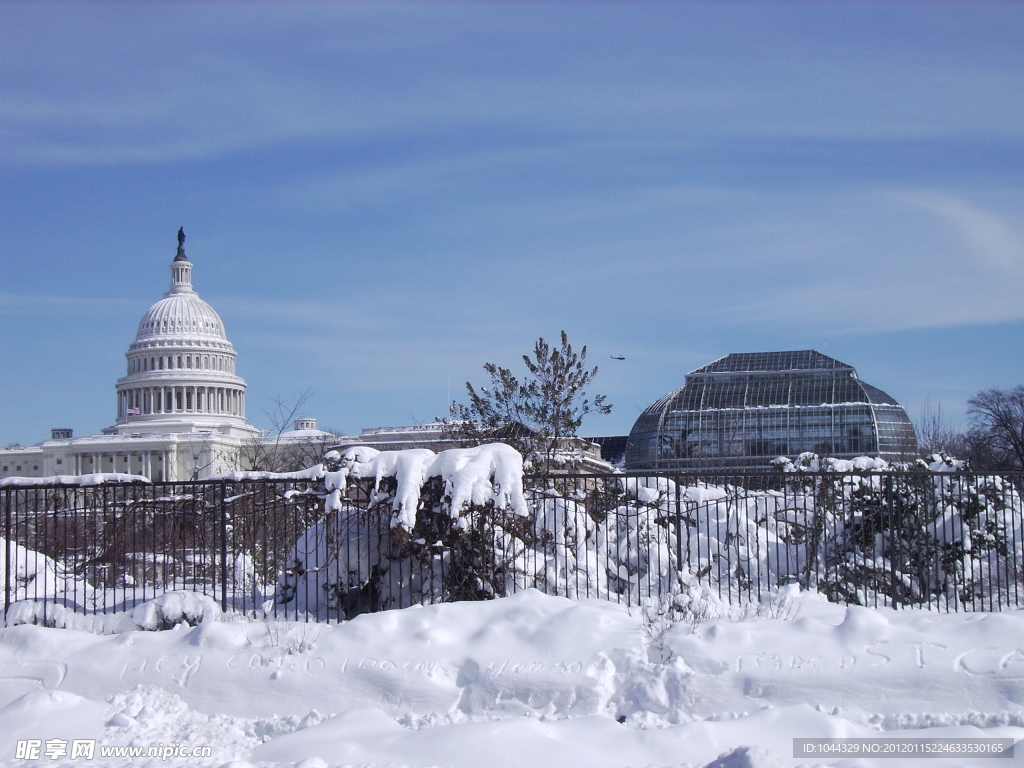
[276, 547]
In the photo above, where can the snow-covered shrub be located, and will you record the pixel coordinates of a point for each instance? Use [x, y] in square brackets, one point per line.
[26, 567]
[368, 530]
[173, 608]
[433, 527]
[460, 525]
[37, 576]
[164, 612]
[59, 615]
[906, 537]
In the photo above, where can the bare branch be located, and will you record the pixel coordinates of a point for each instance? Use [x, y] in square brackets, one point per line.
[997, 418]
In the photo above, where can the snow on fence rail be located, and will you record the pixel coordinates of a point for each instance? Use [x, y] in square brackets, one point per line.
[369, 531]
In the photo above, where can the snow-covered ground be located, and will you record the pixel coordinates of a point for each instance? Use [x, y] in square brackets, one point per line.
[529, 681]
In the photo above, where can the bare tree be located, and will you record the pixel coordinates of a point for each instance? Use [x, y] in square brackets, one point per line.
[205, 458]
[997, 421]
[936, 435]
[277, 451]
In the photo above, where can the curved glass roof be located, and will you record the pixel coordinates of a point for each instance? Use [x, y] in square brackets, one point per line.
[801, 360]
[746, 409]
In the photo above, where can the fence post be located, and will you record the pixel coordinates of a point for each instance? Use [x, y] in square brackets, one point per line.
[7, 554]
[895, 537]
[222, 505]
[678, 519]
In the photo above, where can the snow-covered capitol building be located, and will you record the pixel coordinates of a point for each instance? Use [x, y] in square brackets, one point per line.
[180, 405]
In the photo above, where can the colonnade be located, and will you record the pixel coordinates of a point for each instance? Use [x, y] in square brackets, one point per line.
[147, 463]
[137, 401]
[142, 363]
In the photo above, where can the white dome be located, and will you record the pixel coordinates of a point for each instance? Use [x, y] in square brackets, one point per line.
[181, 315]
[181, 366]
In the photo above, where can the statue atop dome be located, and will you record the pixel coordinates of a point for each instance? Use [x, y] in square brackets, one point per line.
[181, 245]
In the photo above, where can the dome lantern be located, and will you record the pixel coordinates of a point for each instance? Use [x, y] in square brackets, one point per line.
[181, 269]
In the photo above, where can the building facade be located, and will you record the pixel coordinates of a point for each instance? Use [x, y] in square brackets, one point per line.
[743, 410]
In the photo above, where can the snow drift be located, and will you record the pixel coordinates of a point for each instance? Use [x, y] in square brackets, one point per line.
[526, 681]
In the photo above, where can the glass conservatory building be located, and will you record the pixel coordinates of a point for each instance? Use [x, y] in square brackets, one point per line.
[743, 410]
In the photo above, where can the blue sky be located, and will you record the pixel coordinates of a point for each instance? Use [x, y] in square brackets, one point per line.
[379, 198]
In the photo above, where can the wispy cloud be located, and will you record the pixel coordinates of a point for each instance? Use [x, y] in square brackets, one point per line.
[988, 234]
[150, 83]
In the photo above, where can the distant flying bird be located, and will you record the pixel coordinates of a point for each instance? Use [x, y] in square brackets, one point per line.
[618, 357]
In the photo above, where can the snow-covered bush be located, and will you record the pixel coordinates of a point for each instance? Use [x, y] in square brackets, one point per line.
[854, 530]
[431, 527]
[173, 608]
[368, 530]
[164, 612]
[35, 575]
[926, 532]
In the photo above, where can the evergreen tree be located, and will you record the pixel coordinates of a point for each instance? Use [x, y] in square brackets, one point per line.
[535, 414]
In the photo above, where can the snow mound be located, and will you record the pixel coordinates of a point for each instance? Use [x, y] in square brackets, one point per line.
[164, 612]
[60, 616]
[149, 715]
[33, 574]
[173, 608]
[26, 567]
[529, 681]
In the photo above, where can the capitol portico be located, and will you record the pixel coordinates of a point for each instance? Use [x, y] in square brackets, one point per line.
[180, 405]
